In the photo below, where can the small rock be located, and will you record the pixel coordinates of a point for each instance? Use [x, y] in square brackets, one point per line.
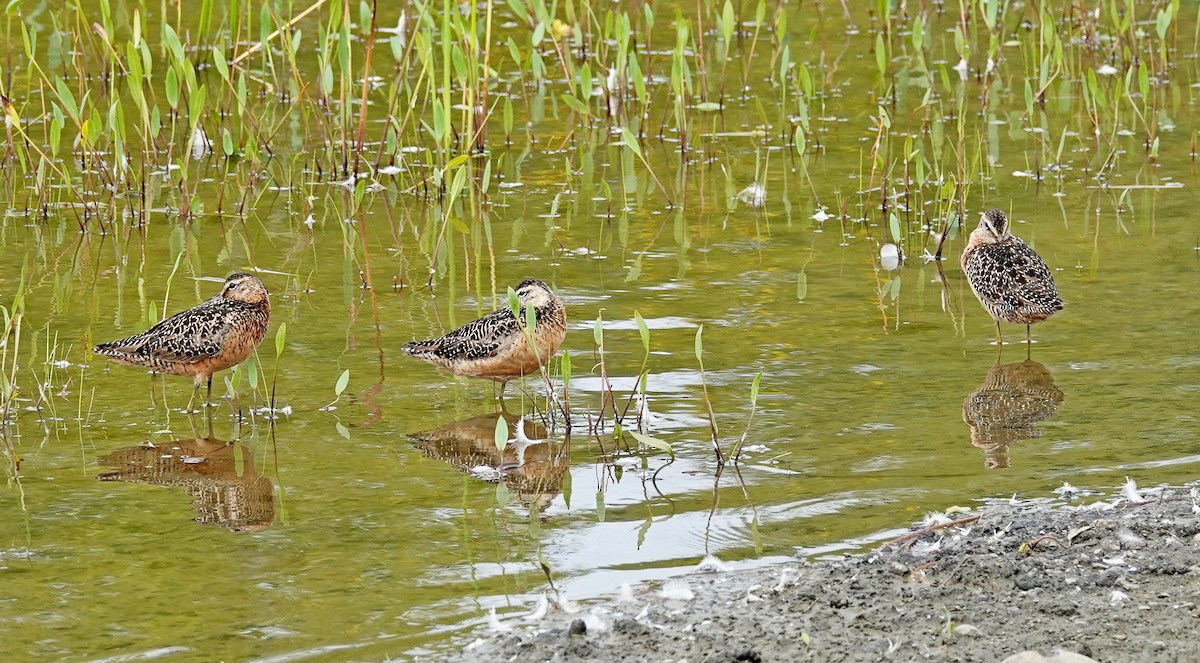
[1106, 579]
[632, 628]
[1060, 657]
[749, 655]
[1028, 581]
[966, 629]
[577, 627]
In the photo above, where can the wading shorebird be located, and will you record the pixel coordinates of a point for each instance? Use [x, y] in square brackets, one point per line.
[1010, 279]
[220, 333]
[497, 346]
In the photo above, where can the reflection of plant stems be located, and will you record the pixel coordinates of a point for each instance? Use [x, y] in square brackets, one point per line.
[716, 501]
[366, 87]
[712, 420]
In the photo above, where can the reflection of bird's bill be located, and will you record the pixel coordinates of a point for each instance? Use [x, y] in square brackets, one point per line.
[531, 466]
[225, 487]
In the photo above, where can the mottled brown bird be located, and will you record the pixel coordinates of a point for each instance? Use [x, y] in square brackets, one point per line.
[219, 333]
[1010, 279]
[497, 346]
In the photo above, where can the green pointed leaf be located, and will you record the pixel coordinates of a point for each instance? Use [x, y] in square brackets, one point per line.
[514, 304]
[628, 139]
[280, 334]
[342, 381]
[531, 319]
[501, 433]
[643, 330]
[653, 442]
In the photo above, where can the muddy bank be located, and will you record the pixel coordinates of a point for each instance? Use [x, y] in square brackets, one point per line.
[1116, 579]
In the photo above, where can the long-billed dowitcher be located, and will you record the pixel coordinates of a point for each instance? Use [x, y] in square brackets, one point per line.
[1010, 279]
[219, 333]
[496, 346]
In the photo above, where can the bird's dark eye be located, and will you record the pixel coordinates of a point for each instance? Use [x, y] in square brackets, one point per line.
[233, 286]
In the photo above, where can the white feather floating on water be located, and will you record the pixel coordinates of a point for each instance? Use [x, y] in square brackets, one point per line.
[1066, 491]
[889, 256]
[201, 145]
[961, 68]
[754, 195]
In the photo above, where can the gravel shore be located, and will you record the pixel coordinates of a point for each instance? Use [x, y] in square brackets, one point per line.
[1113, 580]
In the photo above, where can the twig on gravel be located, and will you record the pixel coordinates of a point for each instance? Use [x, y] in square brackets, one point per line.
[1028, 546]
[911, 536]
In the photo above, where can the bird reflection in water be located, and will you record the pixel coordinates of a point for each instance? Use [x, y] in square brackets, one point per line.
[1007, 408]
[531, 466]
[225, 487]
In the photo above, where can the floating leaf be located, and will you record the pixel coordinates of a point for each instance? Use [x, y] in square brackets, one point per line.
[801, 286]
[342, 381]
[342, 430]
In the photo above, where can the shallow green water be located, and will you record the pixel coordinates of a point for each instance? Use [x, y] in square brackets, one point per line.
[379, 545]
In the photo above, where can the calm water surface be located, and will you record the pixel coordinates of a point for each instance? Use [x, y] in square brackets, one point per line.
[353, 531]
